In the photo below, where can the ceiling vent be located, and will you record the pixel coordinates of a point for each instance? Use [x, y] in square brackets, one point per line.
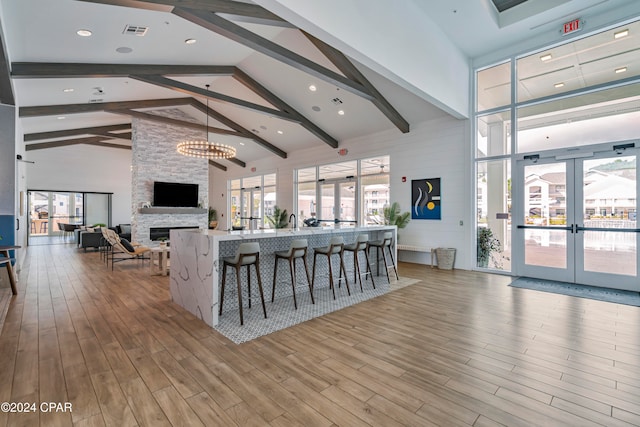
[336, 101]
[95, 100]
[135, 30]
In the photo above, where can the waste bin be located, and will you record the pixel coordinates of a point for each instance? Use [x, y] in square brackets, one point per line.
[446, 257]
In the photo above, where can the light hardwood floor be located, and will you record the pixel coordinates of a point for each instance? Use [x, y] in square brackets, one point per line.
[457, 349]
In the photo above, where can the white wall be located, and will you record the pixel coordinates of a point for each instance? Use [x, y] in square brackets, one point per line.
[400, 43]
[84, 168]
[438, 148]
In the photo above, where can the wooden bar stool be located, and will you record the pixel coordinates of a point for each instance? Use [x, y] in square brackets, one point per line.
[297, 250]
[336, 247]
[380, 245]
[248, 254]
[361, 244]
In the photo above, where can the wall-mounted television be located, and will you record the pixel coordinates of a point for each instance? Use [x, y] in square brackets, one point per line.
[175, 194]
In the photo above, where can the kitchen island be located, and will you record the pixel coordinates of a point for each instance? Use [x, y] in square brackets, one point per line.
[196, 273]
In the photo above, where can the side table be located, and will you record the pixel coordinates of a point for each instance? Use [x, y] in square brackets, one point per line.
[159, 264]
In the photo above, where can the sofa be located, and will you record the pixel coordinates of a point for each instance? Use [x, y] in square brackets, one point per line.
[90, 238]
[123, 230]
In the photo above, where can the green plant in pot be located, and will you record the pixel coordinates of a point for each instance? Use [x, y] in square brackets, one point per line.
[279, 219]
[488, 248]
[393, 216]
[213, 218]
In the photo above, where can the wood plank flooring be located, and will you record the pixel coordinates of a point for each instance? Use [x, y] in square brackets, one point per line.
[457, 349]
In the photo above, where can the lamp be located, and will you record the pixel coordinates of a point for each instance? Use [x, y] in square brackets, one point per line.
[205, 149]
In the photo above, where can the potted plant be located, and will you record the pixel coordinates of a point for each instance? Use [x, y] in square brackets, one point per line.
[279, 219]
[213, 218]
[488, 247]
[393, 216]
[163, 241]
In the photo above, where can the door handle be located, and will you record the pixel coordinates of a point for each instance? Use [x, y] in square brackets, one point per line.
[17, 224]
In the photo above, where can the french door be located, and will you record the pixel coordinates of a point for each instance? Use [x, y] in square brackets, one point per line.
[576, 220]
[251, 218]
[338, 201]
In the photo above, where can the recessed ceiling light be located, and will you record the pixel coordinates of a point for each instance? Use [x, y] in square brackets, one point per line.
[61, 117]
[280, 132]
[84, 33]
[316, 108]
[558, 85]
[67, 90]
[341, 112]
[124, 49]
[313, 88]
[620, 34]
[242, 143]
[621, 70]
[545, 57]
[190, 41]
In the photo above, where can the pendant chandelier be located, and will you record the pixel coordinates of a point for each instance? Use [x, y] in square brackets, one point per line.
[205, 149]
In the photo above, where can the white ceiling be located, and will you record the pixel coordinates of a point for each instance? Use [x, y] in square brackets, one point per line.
[45, 31]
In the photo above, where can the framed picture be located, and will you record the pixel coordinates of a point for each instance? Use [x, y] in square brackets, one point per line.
[425, 198]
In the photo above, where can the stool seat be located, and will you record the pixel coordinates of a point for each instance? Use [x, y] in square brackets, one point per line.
[380, 245]
[297, 250]
[247, 254]
[360, 245]
[336, 247]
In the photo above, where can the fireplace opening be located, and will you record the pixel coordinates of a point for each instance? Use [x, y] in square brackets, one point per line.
[156, 233]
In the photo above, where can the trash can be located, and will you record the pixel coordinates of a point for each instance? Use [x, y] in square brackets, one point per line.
[446, 258]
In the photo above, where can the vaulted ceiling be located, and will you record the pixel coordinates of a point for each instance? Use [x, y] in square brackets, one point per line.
[73, 90]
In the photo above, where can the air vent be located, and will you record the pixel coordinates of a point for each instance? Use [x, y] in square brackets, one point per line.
[93, 101]
[336, 101]
[135, 30]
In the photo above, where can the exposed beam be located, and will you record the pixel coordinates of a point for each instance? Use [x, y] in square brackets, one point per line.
[238, 162]
[6, 89]
[272, 98]
[196, 91]
[235, 126]
[173, 122]
[176, 122]
[239, 11]
[245, 37]
[91, 140]
[218, 165]
[99, 130]
[348, 69]
[26, 70]
[54, 110]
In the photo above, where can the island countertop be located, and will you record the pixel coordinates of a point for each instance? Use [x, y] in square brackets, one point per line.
[195, 258]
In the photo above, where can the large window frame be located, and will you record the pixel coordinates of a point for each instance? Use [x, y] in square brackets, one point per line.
[257, 188]
[504, 148]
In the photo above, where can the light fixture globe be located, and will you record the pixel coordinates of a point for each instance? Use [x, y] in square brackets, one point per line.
[205, 149]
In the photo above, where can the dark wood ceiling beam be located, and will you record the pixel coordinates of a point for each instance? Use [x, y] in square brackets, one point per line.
[26, 70]
[272, 98]
[120, 135]
[237, 10]
[6, 89]
[74, 132]
[218, 165]
[224, 27]
[173, 122]
[91, 140]
[55, 110]
[235, 126]
[215, 96]
[343, 63]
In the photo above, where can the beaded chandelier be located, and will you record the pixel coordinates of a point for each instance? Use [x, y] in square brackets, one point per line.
[205, 149]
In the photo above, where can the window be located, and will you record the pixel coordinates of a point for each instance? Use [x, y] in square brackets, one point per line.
[251, 201]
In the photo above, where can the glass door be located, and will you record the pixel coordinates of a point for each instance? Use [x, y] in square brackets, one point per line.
[577, 220]
[338, 202]
[251, 214]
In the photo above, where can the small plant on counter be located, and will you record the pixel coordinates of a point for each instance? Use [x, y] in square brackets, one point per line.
[279, 219]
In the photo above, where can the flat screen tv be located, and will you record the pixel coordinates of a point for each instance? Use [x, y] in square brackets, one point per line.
[175, 195]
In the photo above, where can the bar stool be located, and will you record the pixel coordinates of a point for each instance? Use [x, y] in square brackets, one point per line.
[336, 247]
[297, 250]
[361, 244]
[247, 254]
[380, 245]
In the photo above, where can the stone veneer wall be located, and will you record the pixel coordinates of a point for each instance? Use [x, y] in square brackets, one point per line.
[155, 159]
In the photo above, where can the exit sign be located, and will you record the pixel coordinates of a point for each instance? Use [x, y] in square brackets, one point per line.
[571, 26]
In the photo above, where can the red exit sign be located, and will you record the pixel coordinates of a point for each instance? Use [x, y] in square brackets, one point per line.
[571, 26]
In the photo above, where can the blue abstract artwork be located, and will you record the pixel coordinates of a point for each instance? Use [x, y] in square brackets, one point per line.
[425, 198]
